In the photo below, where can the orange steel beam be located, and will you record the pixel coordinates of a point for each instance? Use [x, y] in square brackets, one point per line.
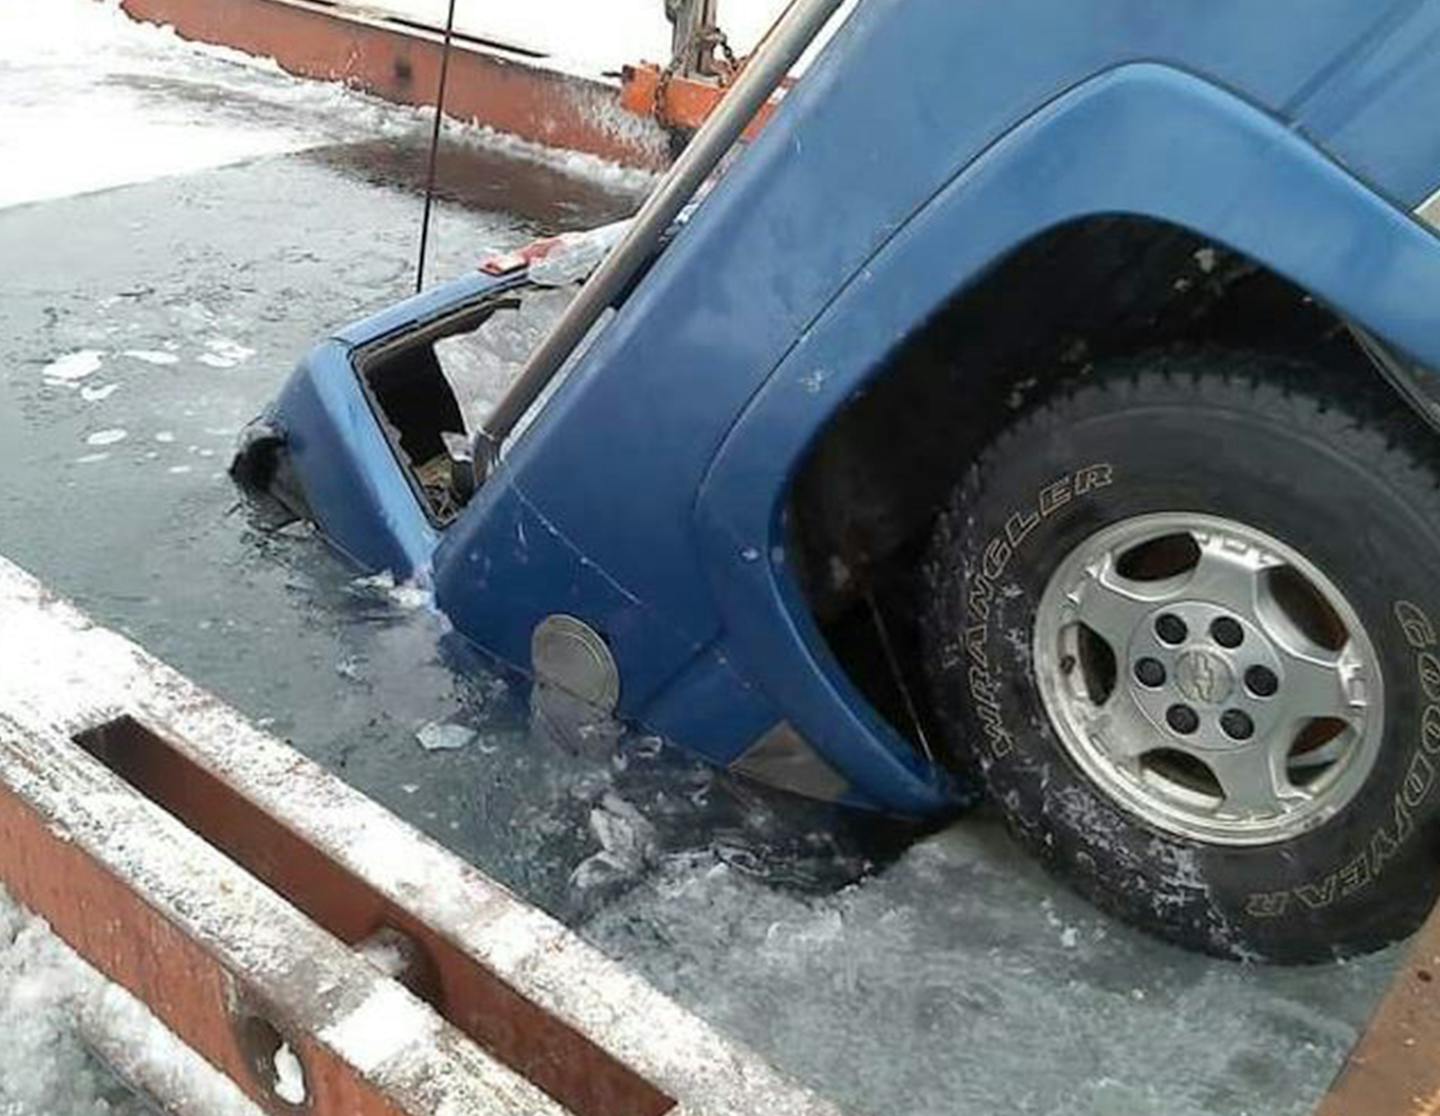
[401, 62]
[679, 102]
[249, 899]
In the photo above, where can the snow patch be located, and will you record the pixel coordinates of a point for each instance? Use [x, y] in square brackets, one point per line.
[289, 1075]
[73, 366]
[221, 352]
[385, 1023]
[152, 356]
[98, 394]
[404, 594]
[49, 997]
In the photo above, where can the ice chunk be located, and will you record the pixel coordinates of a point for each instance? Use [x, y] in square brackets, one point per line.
[105, 437]
[444, 736]
[73, 366]
[152, 356]
[628, 844]
[221, 352]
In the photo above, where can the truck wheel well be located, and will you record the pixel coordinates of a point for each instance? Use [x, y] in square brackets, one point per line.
[863, 503]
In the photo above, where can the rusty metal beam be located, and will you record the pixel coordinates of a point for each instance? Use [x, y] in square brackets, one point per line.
[249, 898]
[401, 62]
[1394, 1070]
[680, 102]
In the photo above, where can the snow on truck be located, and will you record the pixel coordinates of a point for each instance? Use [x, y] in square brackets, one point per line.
[1044, 404]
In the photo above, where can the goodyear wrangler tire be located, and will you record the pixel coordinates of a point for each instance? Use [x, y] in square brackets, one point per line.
[1184, 619]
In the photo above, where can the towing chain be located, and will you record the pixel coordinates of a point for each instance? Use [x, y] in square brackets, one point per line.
[713, 39]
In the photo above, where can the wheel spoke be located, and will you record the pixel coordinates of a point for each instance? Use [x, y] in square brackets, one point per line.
[1112, 606]
[1121, 730]
[1254, 780]
[1227, 574]
[1316, 685]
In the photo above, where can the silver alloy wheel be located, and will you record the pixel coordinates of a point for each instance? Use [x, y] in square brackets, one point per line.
[1209, 678]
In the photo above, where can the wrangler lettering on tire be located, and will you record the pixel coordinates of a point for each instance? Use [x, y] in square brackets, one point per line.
[1181, 621]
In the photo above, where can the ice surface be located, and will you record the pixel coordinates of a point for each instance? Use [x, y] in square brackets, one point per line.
[74, 115]
[963, 952]
[90, 100]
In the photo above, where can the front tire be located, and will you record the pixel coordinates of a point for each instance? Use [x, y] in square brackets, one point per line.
[1183, 619]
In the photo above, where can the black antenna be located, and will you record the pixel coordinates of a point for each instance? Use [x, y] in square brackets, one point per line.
[434, 148]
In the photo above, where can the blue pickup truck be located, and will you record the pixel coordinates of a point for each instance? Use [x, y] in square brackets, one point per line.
[1044, 406]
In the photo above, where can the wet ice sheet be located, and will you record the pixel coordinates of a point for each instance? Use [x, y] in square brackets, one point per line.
[963, 982]
[75, 114]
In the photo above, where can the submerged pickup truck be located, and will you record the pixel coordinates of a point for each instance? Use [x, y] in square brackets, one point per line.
[1044, 406]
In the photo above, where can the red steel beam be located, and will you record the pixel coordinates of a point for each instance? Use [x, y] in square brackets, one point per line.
[401, 63]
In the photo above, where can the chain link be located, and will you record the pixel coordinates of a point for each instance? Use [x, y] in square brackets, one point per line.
[713, 39]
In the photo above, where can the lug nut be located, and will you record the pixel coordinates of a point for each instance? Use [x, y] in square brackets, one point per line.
[1261, 681]
[1227, 632]
[1150, 672]
[1182, 719]
[1171, 629]
[1237, 724]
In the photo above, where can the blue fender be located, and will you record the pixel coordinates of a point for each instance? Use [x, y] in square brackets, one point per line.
[1140, 139]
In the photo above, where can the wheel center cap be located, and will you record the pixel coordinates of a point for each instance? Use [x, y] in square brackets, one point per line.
[1203, 677]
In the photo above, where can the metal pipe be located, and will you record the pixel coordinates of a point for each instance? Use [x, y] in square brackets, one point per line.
[786, 42]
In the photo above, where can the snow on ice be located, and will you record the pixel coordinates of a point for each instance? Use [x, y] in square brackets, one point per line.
[46, 1068]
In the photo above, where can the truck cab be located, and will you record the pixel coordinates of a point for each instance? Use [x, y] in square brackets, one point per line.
[1042, 406]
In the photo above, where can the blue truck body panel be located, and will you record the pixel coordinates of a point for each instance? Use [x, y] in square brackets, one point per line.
[646, 498]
